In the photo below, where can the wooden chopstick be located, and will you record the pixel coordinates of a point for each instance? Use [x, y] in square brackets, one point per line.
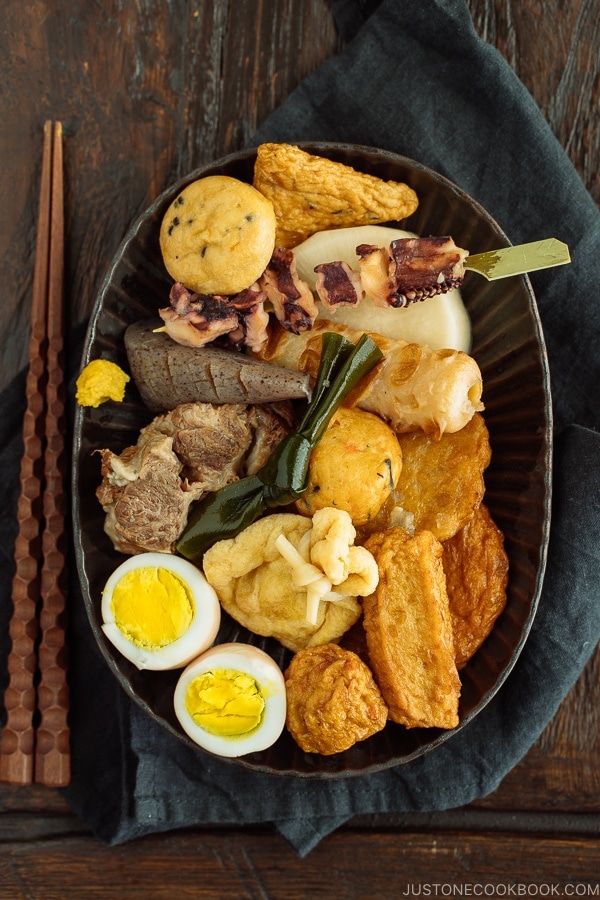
[34, 745]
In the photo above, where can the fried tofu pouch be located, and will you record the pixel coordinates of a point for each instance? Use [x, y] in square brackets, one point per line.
[476, 567]
[409, 632]
[310, 193]
[255, 586]
[332, 700]
[442, 482]
[412, 388]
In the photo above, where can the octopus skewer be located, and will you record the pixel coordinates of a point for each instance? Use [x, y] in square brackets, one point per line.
[410, 270]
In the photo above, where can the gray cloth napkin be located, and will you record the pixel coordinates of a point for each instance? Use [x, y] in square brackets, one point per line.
[417, 80]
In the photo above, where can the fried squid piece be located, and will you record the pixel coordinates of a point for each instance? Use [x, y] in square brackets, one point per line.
[338, 285]
[194, 320]
[412, 270]
[292, 299]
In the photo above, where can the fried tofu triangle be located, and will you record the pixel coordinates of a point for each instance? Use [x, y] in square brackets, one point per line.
[332, 700]
[310, 193]
[476, 567]
[409, 634]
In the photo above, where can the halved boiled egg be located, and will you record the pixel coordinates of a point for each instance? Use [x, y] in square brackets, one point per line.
[232, 701]
[441, 322]
[159, 611]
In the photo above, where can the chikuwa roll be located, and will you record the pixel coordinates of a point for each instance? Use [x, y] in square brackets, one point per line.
[412, 388]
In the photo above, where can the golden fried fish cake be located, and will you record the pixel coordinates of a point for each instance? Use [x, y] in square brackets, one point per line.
[441, 483]
[218, 235]
[409, 633]
[332, 700]
[476, 567]
[310, 193]
[354, 466]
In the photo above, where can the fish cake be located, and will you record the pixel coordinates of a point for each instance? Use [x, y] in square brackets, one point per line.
[354, 466]
[332, 700]
[310, 193]
[441, 483]
[409, 632]
[476, 567]
[218, 235]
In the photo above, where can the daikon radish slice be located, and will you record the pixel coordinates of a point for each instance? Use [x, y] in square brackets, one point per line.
[441, 322]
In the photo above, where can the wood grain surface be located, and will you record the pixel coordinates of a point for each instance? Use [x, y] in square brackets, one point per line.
[148, 90]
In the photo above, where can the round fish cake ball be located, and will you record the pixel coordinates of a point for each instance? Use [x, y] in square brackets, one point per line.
[218, 235]
[332, 700]
[354, 467]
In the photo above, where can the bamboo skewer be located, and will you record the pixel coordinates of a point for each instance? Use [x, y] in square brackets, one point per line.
[34, 745]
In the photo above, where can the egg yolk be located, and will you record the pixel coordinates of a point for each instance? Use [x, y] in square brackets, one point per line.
[101, 380]
[152, 606]
[225, 702]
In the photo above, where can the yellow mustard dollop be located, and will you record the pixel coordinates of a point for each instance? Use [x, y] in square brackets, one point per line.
[225, 702]
[152, 606]
[101, 380]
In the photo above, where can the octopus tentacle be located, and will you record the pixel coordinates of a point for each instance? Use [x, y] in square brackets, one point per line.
[292, 299]
[338, 285]
[424, 267]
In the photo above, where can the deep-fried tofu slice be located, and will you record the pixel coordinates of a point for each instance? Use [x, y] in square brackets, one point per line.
[441, 483]
[409, 635]
[310, 193]
[476, 567]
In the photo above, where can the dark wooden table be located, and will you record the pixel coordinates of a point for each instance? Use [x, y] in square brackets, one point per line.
[148, 91]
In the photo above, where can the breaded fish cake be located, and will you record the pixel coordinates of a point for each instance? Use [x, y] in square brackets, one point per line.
[218, 235]
[332, 700]
[409, 633]
[310, 193]
[441, 483]
[354, 466]
[476, 567]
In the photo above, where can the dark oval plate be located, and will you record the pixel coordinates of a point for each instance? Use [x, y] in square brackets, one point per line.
[509, 346]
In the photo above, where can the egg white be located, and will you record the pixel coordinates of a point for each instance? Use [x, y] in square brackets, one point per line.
[199, 636]
[442, 322]
[269, 677]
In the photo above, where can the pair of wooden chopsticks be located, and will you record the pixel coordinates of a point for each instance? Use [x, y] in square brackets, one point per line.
[34, 744]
